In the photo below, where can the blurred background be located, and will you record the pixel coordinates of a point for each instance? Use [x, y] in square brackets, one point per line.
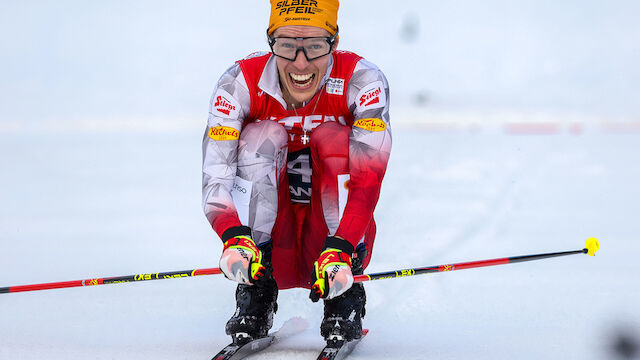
[121, 61]
[515, 131]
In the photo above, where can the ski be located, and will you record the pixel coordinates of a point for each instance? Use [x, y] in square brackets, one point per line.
[240, 351]
[339, 349]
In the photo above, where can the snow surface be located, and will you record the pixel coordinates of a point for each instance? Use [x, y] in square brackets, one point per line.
[85, 204]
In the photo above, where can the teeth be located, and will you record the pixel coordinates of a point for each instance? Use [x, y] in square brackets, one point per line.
[297, 77]
[301, 80]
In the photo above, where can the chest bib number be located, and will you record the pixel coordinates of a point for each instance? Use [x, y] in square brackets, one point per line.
[299, 173]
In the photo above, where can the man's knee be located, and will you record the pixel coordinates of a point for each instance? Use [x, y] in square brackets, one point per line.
[264, 139]
[331, 139]
[262, 150]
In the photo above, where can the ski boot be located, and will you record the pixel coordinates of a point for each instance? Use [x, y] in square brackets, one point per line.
[255, 306]
[343, 314]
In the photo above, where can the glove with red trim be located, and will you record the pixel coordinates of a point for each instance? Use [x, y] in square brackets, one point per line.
[331, 274]
[241, 259]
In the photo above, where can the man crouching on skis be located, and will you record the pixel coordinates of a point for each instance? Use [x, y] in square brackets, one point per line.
[296, 146]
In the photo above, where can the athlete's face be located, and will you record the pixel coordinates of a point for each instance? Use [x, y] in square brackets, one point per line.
[300, 79]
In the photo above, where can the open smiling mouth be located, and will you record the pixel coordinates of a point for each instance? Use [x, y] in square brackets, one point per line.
[301, 81]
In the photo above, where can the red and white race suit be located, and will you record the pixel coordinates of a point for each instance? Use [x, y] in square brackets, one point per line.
[259, 159]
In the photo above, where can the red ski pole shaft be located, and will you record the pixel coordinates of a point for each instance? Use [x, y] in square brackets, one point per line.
[591, 247]
[110, 280]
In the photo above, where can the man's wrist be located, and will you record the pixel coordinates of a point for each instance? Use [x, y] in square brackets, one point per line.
[235, 231]
[341, 244]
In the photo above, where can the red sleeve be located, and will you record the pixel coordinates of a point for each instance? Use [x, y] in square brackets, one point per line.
[369, 148]
[367, 167]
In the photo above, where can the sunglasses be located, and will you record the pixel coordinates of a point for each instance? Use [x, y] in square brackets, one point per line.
[312, 47]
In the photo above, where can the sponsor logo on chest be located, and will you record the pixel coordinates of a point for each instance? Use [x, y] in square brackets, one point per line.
[297, 126]
[335, 86]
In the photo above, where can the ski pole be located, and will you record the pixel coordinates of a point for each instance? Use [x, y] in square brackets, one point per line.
[591, 247]
[111, 280]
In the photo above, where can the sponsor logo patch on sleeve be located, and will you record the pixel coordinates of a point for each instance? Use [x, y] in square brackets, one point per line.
[224, 105]
[371, 96]
[371, 124]
[223, 133]
[335, 86]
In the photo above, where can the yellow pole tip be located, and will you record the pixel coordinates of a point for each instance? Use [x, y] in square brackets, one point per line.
[592, 246]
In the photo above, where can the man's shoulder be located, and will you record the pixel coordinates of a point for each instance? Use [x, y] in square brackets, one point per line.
[361, 66]
[253, 65]
[255, 57]
[368, 87]
[365, 65]
[347, 55]
[365, 72]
